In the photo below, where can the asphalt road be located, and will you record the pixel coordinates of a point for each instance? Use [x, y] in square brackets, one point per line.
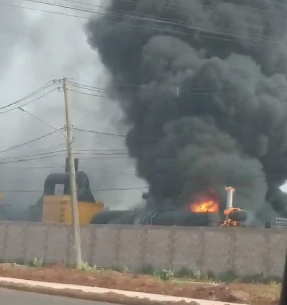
[13, 297]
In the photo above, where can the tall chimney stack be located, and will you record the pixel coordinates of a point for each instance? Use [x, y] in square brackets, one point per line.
[229, 202]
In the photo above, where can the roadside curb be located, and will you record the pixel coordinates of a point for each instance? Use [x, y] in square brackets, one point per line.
[78, 294]
[101, 294]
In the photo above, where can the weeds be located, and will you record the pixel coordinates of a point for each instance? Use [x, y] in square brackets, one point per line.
[86, 267]
[183, 273]
[227, 277]
[126, 270]
[37, 262]
[166, 274]
[146, 269]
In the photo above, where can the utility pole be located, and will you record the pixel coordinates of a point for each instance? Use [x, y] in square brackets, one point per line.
[72, 173]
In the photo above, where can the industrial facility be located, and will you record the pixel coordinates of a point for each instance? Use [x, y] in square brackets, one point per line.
[55, 206]
[207, 210]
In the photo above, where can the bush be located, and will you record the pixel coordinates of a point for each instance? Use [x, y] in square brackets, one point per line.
[183, 272]
[37, 262]
[164, 274]
[228, 277]
[146, 269]
[86, 267]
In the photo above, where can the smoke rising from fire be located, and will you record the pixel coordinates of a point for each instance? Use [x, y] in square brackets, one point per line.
[204, 89]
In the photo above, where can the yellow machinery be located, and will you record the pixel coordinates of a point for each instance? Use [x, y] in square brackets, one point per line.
[58, 209]
[55, 204]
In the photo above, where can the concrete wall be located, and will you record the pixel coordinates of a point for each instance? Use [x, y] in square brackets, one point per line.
[245, 251]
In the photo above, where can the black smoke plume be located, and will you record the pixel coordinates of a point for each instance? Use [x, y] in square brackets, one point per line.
[203, 85]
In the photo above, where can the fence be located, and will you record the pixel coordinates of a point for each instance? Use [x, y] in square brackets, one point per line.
[244, 251]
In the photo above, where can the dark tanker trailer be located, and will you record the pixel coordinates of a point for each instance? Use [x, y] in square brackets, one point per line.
[158, 218]
[203, 212]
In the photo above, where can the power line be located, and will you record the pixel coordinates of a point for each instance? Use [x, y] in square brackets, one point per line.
[89, 94]
[98, 132]
[41, 10]
[28, 142]
[30, 101]
[58, 167]
[97, 157]
[194, 90]
[29, 95]
[87, 87]
[156, 20]
[32, 159]
[93, 190]
[211, 8]
[254, 39]
[109, 152]
[29, 156]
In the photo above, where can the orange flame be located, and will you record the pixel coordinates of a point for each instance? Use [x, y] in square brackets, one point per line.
[208, 206]
[207, 202]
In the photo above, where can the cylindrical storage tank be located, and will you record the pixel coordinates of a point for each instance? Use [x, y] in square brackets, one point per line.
[239, 215]
[182, 218]
[106, 217]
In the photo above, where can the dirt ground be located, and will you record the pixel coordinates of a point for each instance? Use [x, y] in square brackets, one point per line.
[234, 292]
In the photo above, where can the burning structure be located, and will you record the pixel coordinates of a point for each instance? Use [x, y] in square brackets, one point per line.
[205, 211]
[202, 85]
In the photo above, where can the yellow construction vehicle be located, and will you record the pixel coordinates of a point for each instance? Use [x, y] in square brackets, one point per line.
[55, 204]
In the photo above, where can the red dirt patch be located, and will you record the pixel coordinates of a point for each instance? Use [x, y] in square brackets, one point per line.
[236, 293]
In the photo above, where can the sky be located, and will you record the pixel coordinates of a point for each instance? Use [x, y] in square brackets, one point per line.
[37, 47]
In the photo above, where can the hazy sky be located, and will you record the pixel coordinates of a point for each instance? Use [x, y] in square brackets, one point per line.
[37, 47]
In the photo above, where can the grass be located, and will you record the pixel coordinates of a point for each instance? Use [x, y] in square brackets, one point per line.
[259, 289]
[262, 294]
[184, 274]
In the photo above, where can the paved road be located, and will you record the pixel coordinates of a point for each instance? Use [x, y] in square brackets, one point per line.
[13, 297]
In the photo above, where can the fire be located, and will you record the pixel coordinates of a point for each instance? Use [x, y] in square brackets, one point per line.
[208, 206]
[206, 202]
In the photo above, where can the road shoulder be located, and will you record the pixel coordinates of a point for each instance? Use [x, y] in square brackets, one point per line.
[100, 294]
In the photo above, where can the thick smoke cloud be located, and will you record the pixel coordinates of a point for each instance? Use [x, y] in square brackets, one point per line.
[204, 89]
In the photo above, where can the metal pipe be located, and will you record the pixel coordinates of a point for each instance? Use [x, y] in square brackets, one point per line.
[229, 202]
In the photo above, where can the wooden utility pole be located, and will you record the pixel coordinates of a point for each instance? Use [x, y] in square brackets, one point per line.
[72, 175]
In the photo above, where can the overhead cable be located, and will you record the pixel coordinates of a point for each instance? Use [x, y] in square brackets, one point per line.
[156, 20]
[29, 156]
[98, 132]
[31, 141]
[254, 39]
[106, 97]
[96, 157]
[34, 100]
[95, 190]
[28, 96]
[198, 90]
